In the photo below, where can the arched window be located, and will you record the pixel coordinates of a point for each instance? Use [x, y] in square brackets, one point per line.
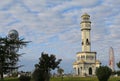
[90, 71]
[82, 42]
[78, 71]
[87, 42]
[81, 68]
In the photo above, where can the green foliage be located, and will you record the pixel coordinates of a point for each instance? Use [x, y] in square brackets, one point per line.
[60, 71]
[45, 65]
[103, 73]
[118, 73]
[14, 74]
[24, 78]
[38, 75]
[47, 62]
[8, 54]
[118, 64]
[69, 79]
[82, 79]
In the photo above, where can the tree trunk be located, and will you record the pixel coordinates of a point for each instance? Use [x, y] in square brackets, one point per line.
[1, 72]
[1, 76]
[47, 76]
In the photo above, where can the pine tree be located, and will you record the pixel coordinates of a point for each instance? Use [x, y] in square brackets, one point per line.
[8, 54]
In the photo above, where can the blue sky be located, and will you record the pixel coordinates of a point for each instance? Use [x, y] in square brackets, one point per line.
[53, 26]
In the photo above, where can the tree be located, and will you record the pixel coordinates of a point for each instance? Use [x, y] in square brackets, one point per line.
[24, 78]
[9, 57]
[118, 64]
[45, 65]
[60, 71]
[103, 73]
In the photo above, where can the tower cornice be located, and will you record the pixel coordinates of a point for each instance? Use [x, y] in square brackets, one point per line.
[86, 52]
[85, 14]
[85, 22]
[85, 29]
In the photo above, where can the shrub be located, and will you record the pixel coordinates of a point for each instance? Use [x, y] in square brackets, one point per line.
[103, 73]
[37, 75]
[118, 73]
[24, 78]
[40, 75]
[14, 74]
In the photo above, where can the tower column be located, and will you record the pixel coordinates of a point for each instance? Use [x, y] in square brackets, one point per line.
[85, 33]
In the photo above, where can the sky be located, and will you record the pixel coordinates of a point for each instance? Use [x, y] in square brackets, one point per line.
[53, 26]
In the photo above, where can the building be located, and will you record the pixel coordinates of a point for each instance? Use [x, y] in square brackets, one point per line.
[86, 62]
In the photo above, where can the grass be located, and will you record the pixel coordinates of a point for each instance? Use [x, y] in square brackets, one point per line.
[70, 79]
[74, 79]
[10, 79]
[82, 79]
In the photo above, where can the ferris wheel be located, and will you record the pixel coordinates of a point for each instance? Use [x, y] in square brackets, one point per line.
[111, 59]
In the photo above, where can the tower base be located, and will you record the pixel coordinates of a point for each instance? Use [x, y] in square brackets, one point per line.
[86, 64]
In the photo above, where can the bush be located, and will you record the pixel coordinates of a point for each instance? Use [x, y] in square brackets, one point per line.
[14, 74]
[37, 75]
[40, 75]
[103, 73]
[24, 78]
[118, 73]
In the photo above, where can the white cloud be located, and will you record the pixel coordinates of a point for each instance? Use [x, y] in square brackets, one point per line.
[5, 3]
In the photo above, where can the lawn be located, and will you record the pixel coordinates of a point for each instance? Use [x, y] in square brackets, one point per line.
[71, 79]
[82, 79]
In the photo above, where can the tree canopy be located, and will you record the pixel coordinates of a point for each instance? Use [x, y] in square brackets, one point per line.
[60, 71]
[8, 54]
[45, 65]
[103, 73]
[118, 64]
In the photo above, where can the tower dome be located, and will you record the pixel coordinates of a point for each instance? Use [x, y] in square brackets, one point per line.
[13, 34]
[85, 17]
[85, 14]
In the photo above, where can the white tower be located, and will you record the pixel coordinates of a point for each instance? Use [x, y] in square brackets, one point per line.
[86, 62]
[85, 33]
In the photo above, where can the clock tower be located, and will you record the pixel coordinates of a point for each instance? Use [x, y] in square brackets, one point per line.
[86, 62]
